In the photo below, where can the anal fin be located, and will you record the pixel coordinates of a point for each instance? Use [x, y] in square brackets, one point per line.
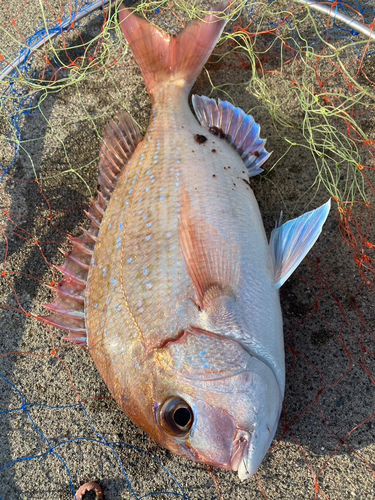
[235, 126]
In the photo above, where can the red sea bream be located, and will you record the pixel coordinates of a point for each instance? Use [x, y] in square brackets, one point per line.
[174, 288]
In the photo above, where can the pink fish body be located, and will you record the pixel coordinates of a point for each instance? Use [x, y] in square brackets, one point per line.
[181, 308]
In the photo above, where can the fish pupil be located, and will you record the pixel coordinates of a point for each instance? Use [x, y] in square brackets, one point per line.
[182, 417]
[176, 417]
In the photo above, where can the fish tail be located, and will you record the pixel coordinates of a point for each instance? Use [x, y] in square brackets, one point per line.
[172, 60]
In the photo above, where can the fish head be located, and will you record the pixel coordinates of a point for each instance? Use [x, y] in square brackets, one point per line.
[215, 403]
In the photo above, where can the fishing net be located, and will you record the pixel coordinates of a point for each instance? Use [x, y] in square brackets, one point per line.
[307, 76]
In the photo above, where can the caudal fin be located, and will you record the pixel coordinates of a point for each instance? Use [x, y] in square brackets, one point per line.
[168, 60]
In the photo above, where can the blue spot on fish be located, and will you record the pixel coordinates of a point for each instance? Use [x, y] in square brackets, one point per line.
[145, 271]
[129, 260]
[148, 238]
[120, 226]
[161, 198]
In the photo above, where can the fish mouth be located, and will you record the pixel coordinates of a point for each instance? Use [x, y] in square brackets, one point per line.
[240, 454]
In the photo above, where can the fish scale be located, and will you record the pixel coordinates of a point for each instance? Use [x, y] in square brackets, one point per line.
[174, 287]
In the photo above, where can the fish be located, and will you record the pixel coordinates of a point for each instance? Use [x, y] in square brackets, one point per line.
[174, 288]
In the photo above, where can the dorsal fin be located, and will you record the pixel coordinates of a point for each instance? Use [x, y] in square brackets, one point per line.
[119, 143]
[120, 140]
[291, 242]
[234, 125]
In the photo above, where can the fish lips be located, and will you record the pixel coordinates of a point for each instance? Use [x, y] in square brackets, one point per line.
[249, 449]
[240, 453]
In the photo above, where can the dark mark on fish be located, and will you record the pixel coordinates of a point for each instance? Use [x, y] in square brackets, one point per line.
[247, 182]
[218, 131]
[214, 150]
[200, 139]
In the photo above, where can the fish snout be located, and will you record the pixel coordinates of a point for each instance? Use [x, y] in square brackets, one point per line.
[250, 448]
[240, 452]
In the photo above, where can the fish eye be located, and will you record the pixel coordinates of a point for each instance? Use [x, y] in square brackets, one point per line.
[176, 417]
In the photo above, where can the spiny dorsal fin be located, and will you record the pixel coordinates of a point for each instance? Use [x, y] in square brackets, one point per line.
[234, 125]
[120, 140]
[211, 261]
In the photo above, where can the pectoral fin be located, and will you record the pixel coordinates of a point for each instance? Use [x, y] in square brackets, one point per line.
[211, 261]
[291, 242]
